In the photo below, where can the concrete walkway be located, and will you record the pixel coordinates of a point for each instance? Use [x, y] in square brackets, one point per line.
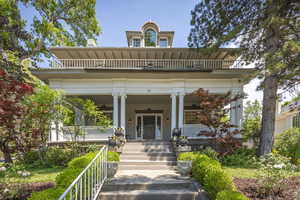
[147, 172]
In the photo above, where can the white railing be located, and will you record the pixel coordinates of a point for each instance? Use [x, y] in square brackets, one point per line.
[88, 184]
[144, 64]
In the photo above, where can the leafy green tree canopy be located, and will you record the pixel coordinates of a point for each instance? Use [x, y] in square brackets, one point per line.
[268, 34]
[55, 22]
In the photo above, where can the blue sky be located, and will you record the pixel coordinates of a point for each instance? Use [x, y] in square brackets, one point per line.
[117, 16]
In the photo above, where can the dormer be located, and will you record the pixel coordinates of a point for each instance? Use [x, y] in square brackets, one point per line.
[150, 36]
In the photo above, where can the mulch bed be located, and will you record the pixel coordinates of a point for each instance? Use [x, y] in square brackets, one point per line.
[249, 187]
[20, 191]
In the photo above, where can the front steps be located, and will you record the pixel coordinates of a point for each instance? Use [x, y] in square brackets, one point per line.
[146, 172]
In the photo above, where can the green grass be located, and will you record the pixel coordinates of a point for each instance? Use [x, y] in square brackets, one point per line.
[247, 172]
[37, 175]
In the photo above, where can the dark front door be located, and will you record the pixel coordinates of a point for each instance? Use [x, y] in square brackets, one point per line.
[149, 127]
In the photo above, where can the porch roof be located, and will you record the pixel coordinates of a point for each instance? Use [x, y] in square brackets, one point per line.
[142, 53]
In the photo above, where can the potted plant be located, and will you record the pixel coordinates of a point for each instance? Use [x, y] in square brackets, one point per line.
[119, 132]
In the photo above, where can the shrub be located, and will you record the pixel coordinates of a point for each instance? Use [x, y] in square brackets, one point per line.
[31, 157]
[210, 152]
[230, 195]
[186, 156]
[288, 144]
[58, 156]
[82, 161]
[217, 180]
[67, 176]
[202, 166]
[113, 156]
[49, 194]
[242, 157]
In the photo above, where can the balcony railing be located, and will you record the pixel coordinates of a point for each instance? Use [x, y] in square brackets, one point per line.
[291, 106]
[143, 64]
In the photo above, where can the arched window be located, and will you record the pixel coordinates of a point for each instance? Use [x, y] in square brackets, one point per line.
[150, 38]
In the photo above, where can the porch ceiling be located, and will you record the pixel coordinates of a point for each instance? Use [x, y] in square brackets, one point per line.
[142, 53]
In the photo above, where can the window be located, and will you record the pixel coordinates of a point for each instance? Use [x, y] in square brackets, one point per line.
[296, 121]
[190, 117]
[150, 38]
[136, 42]
[163, 43]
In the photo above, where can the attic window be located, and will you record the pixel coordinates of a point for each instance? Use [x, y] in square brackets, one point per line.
[163, 43]
[150, 38]
[136, 42]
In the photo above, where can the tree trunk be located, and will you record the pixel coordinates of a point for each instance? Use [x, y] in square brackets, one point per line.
[268, 115]
[6, 153]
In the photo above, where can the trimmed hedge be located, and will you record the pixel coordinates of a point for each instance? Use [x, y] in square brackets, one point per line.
[231, 195]
[113, 156]
[210, 174]
[68, 175]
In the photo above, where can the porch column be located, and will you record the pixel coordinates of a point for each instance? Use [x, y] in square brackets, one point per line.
[181, 111]
[115, 110]
[123, 109]
[173, 112]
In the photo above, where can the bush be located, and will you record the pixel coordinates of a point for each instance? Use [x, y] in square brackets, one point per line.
[31, 157]
[58, 156]
[67, 176]
[113, 156]
[49, 194]
[230, 195]
[187, 156]
[217, 180]
[202, 166]
[82, 161]
[288, 144]
[242, 157]
[210, 152]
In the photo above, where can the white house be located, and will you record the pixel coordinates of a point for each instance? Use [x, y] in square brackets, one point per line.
[144, 87]
[288, 116]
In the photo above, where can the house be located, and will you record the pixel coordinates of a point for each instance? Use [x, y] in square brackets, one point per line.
[288, 116]
[145, 87]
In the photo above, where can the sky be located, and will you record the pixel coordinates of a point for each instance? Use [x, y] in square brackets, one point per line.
[117, 16]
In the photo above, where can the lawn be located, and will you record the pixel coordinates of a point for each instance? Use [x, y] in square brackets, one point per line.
[247, 172]
[37, 175]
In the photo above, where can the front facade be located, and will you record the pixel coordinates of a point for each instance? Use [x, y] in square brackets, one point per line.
[145, 88]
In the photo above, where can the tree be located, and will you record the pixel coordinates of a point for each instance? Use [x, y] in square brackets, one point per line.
[252, 121]
[267, 32]
[12, 93]
[56, 22]
[214, 115]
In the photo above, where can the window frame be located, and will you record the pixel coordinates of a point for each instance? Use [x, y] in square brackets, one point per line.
[156, 36]
[136, 38]
[164, 38]
[190, 110]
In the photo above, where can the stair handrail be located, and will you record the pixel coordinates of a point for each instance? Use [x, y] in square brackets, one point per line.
[89, 182]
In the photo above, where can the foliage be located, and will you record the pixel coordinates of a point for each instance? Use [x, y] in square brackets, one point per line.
[58, 157]
[113, 156]
[252, 122]
[12, 93]
[201, 168]
[67, 176]
[230, 195]
[288, 144]
[210, 152]
[49, 194]
[267, 34]
[82, 161]
[242, 157]
[212, 113]
[272, 174]
[55, 23]
[187, 156]
[43, 107]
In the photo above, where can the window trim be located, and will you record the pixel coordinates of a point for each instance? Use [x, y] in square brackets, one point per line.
[189, 110]
[134, 38]
[156, 38]
[164, 38]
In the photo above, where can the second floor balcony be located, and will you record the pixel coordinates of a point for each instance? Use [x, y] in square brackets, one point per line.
[146, 64]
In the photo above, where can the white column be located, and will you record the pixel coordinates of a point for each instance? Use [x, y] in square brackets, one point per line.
[115, 110]
[123, 111]
[233, 113]
[181, 111]
[173, 112]
[239, 112]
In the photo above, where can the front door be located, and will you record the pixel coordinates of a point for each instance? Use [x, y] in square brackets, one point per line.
[149, 126]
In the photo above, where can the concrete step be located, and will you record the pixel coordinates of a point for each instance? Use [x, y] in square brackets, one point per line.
[149, 158]
[146, 162]
[182, 194]
[166, 150]
[151, 154]
[145, 167]
[149, 142]
[144, 184]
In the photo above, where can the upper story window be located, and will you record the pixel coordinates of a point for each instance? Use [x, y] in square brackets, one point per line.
[296, 121]
[150, 38]
[136, 42]
[163, 43]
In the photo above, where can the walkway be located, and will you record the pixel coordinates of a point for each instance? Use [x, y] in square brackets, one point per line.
[146, 172]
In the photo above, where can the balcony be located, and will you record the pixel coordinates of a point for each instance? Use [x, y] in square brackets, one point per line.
[145, 64]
